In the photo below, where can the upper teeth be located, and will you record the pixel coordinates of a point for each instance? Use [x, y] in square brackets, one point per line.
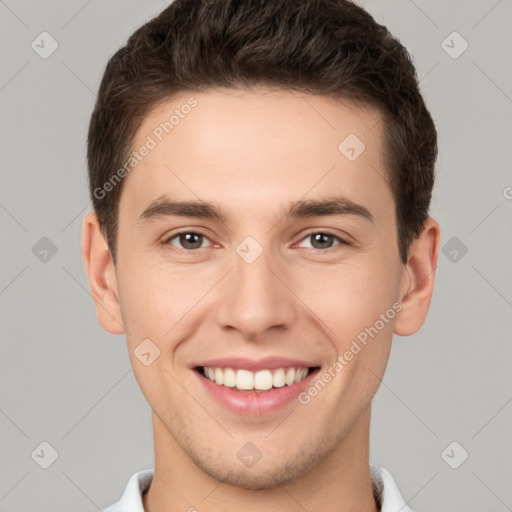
[260, 380]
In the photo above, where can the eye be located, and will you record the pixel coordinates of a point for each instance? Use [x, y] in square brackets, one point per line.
[189, 240]
[322, 240]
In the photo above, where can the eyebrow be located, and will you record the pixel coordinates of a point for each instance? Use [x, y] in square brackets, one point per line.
[333, 205]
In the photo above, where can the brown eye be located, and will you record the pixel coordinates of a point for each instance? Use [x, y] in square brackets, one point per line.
[321, 240]
[188, 240]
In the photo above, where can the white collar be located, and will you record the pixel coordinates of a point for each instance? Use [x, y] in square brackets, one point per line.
[386, 492]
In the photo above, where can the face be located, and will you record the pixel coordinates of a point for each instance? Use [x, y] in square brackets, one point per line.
[269, 280]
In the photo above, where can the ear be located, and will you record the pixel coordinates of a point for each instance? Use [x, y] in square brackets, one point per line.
[101, 274]
[418, 279]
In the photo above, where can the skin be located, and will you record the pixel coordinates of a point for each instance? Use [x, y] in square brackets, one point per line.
[252, 153]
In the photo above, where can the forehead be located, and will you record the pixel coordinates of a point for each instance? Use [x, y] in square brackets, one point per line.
[257, 148]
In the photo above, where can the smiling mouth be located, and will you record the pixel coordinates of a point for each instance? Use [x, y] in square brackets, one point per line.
[259, 381]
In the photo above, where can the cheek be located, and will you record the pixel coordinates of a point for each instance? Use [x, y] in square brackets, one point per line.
[154, 300]
[356, 303]
[350, 297]
[159, 300]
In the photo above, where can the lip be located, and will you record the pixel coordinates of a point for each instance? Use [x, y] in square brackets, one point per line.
[254, 403]
[253, 365]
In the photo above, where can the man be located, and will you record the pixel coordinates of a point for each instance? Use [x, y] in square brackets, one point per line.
[261, 174]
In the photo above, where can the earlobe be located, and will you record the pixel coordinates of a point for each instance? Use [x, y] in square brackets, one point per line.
[418, 281]
[101, 275]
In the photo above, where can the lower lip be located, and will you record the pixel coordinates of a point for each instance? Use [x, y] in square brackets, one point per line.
[255, 403]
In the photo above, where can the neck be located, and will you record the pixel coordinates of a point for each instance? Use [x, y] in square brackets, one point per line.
[340, 482]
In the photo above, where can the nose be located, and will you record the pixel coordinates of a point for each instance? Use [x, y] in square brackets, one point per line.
[255, 297]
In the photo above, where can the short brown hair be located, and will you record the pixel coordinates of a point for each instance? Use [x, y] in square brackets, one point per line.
[325, 47]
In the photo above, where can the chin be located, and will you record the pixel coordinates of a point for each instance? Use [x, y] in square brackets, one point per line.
[268, 478]
[265, 474]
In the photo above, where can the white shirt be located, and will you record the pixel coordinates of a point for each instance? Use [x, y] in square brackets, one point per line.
[385, 491]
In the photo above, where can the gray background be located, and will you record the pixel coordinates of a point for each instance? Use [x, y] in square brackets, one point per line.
[67, 382]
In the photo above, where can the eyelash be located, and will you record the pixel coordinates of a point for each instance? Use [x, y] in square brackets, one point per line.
[341, 241]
